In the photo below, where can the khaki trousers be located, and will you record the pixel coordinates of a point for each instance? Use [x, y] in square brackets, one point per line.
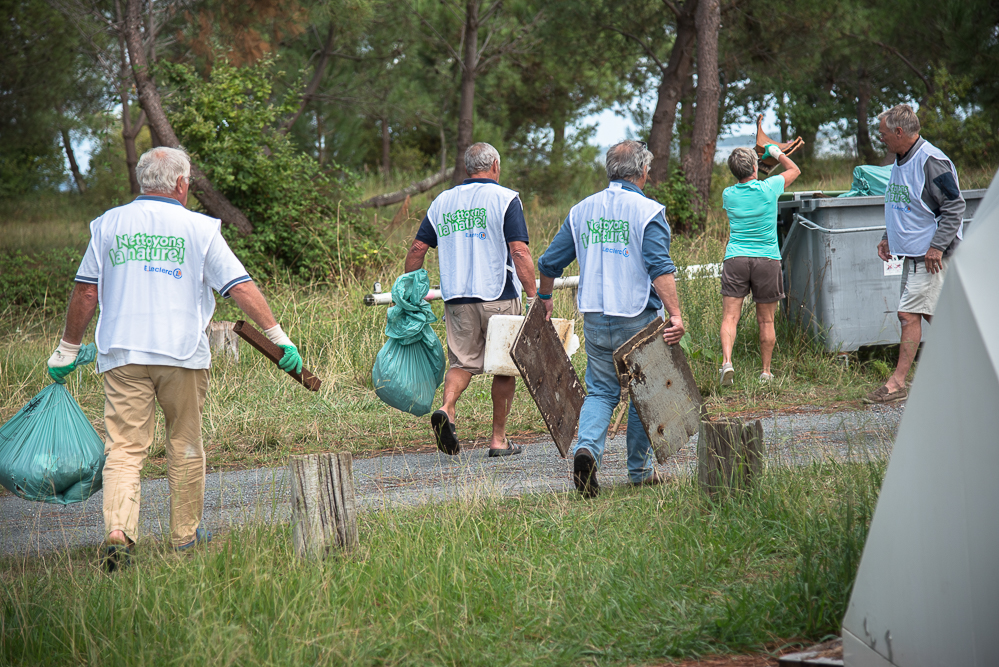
[131, 393]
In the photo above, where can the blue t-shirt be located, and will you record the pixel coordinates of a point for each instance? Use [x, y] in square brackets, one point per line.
[752, 217]
[514, 229]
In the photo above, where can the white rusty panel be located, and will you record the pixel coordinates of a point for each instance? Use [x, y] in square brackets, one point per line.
[662, 388]
[503, 330]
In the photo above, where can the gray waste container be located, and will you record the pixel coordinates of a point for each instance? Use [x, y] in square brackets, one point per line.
[837, 287]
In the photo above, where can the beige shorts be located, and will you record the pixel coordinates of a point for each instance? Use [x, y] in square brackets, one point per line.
[466, 325]
[920, 288]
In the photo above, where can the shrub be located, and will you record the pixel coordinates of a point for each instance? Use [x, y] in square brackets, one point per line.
[40, 283]
[302, 213]
[678, 196]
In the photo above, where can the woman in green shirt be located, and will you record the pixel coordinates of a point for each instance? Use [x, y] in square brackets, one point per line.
[752, 258]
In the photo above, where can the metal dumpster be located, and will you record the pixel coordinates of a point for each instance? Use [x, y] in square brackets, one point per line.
[837, 287]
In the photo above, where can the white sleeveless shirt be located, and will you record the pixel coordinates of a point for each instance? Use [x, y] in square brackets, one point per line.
[471, 248]
[150, 260]
[607, 229]
[909, 221]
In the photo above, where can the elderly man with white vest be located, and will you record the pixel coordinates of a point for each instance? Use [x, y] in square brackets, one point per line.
[924, 214]
[481, 238]
[151, 266]
[621, 240]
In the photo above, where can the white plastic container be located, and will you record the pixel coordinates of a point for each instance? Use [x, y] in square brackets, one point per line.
[503, 330]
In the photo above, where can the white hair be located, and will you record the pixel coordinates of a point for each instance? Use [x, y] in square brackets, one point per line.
[627, 160]
[159, 168]
[480, 157]
[901, 116]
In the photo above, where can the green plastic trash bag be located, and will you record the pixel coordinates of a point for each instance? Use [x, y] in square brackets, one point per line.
[49, 452]
[868, 181]
[410, 366]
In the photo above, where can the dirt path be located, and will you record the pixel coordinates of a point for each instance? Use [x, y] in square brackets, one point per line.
[239, 497]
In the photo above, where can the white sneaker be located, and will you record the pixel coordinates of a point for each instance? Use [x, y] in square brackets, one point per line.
[766, 377]
[727, 375]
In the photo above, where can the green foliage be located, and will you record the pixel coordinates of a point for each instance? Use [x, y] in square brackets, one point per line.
[40, 283]
[965, 133]
[678, 196]
[302, 212]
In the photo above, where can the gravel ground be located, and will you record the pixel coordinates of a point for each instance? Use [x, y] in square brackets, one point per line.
[233, 498]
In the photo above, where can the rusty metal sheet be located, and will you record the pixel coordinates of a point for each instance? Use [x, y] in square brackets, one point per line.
[662, 388]
[549, 377]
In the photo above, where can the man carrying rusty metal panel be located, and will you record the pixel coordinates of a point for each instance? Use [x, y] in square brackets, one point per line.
[481, 238]
[621, 239]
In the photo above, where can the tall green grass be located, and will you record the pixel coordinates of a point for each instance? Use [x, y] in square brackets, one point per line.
[631, 577]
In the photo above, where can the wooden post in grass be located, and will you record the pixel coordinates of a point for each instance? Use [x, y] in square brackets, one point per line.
[729, 454]
[323, 510]
[222, 339]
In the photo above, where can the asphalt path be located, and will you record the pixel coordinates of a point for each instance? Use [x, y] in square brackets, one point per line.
[407, 478]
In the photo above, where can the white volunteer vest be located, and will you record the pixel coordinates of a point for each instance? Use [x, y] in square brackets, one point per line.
[151, 289]
[471, 248]
[608, 229]
[909, 221]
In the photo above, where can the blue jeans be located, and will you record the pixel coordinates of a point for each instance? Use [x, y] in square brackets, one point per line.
[604, 334]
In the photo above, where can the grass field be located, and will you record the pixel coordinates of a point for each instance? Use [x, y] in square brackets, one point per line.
[632, 577]
[256, 416]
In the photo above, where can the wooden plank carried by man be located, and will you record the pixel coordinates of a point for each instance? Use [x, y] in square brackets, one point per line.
[661, 386]
[260, 342]
[549, 376]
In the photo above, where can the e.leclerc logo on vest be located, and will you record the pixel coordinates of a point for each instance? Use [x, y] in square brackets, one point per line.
[176, 273]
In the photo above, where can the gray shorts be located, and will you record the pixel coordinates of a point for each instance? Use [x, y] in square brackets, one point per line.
[466, 325]
[920, 288]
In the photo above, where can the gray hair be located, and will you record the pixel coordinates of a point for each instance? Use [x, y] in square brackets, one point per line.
[742, 162]
[627, 160]
[159, 168]
[480, 157]
[902, 116]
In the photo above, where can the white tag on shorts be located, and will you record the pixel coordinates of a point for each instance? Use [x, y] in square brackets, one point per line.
[893, 267]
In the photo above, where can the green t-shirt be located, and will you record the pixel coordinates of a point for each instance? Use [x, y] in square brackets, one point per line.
[752, 218]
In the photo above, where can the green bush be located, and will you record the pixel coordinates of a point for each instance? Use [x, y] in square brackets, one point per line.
[39, 283]
[965, 133]
[678, 196]
[302, 212]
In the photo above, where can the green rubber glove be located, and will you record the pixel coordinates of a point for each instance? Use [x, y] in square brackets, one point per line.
[291, 362]
[60, 372]
[776, 149]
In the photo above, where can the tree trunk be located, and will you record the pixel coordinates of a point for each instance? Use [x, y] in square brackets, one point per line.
[685, 128]
[74, 168]
[865, 149]
[785, 135]
[128, 133]
[386, 149]
[466, 107]
[215, 203]
[443, 149]
[313, 85]
[558, 141]
[321, 135]
[671, 89]
[699, 162]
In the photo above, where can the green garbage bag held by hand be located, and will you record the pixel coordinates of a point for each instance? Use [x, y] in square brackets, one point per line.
[49, 451]
[67, 358]
[410, 366]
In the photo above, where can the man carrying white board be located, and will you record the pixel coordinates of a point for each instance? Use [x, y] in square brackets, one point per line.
[621, 240]
[152, 265]
[481, 238]
[924, 213]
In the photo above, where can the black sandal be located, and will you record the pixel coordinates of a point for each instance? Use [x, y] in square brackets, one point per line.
[510, 450]
[447, 438]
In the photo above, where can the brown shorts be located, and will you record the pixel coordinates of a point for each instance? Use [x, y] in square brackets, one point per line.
[759, 275]
[466, 325]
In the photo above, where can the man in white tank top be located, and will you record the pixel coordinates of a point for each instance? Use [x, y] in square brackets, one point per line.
[481, 238]
[924, 214]
[621, 240]
[151, 266]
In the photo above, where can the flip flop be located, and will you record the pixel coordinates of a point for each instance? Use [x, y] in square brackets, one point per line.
[510, 450]
[447, 439]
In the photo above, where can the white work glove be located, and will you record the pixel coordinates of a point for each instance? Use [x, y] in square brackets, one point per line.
[63, 361]
[773, 151]
[277, 336]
